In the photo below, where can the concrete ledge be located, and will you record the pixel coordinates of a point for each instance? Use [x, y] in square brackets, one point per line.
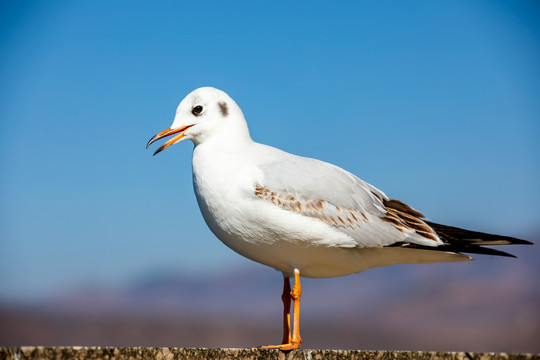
[111, 353]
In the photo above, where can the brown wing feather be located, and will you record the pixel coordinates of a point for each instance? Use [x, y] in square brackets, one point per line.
[404, 217]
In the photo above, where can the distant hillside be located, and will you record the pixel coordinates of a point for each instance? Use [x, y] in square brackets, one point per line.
[491, 304]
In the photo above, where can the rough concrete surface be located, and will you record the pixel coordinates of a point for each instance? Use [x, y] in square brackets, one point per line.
[164, 353]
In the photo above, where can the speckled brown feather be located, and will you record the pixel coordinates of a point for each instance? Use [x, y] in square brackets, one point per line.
[312, 208]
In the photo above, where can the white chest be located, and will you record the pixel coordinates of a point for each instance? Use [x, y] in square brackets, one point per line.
[223, 182]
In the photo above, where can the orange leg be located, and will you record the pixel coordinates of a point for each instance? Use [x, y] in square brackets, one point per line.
[296, 293]
[294, 341]
[286, 297]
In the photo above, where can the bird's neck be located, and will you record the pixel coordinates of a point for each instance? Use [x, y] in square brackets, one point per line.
[228, 138]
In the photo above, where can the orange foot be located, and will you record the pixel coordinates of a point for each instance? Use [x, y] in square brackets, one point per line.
[283, 347]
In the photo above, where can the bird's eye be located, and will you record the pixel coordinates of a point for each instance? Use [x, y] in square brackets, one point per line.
[197, 110]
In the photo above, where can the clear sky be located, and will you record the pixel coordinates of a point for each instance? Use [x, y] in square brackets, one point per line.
[437, 103]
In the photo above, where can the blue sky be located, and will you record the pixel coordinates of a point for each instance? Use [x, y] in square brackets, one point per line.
[435, 103]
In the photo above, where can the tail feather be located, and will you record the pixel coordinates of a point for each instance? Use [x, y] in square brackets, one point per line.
[455, 240]
[472, 249]
[462, 240]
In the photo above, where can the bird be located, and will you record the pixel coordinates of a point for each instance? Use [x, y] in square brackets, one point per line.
[302, 216]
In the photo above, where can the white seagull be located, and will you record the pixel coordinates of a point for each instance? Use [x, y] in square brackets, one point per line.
[302, 216]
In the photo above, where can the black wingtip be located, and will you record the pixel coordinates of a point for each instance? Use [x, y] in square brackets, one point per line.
[490, 251]
[469, 237]
[520, 242]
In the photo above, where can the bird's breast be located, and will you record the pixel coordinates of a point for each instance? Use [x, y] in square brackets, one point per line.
[222, 185]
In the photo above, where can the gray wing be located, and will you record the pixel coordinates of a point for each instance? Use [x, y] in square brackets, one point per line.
[330, 194]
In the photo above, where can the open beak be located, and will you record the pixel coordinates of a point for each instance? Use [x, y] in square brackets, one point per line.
[165, 133]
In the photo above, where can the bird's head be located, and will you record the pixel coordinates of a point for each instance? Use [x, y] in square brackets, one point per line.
[202, 114]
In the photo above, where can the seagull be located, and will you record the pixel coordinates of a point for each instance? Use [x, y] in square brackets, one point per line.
[302, 216]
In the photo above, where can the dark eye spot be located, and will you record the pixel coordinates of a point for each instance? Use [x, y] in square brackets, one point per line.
[197, 110]
[224, 109]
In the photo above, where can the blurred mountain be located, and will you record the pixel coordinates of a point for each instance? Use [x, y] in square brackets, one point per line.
[490, 304]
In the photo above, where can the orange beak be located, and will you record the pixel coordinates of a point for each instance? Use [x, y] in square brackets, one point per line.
[165, 133]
